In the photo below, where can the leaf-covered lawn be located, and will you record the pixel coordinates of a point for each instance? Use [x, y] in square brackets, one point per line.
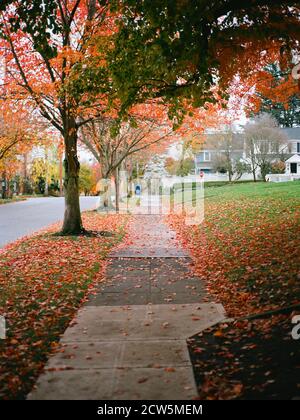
[43, 281]
[248, 251]
[248, 247]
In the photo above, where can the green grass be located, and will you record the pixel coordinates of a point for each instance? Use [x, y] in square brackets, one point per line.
[248, 244]
[254, 190]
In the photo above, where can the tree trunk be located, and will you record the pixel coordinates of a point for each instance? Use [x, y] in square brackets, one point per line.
[4, 185]
[60, 175]
[46, 192]
[24, 180]
[117, 188]
[72, 219]
[107, 201]
[253, 168]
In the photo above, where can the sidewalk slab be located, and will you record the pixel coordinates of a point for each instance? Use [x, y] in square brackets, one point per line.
[107, 354]
[117, 384]
[148, 322]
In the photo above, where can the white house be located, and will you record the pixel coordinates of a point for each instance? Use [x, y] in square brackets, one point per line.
[292, 165]
[293, 135]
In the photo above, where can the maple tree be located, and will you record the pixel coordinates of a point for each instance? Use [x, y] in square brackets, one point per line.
[148, 129]
[15, 129]
[54, 57]
[18, 135]
[181, 49]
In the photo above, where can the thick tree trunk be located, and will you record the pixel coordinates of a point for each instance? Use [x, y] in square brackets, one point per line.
[72, 219]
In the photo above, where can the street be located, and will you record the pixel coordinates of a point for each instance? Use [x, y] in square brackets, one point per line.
[24, 217]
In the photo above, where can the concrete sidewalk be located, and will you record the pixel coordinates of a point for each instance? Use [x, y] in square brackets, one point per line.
[129, 340]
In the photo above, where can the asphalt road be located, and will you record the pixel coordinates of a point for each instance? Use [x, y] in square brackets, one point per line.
[24, 217]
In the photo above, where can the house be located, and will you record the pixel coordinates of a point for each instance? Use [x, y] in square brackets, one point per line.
[292, 165]
[293, 135]
[292, 152]
[206, 158]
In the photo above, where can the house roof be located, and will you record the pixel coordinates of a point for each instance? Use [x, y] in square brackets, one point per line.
[294, 159]
[292, 133]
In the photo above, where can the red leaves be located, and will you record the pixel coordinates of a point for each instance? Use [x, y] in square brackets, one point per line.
[43, 280]
[246, 248]
[248, 251]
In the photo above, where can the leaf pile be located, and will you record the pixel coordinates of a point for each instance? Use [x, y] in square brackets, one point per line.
[43, 281]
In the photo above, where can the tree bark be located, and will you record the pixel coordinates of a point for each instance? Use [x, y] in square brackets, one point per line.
[72, 219]
[4, 185]
[60, 175]
[46, 192]
[117, 188]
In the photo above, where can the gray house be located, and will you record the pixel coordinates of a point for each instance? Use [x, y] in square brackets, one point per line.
[204, 160]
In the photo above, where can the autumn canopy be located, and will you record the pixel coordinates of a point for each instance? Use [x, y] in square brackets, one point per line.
[77, 61]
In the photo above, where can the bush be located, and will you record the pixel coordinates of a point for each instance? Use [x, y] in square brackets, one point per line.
[278, 168]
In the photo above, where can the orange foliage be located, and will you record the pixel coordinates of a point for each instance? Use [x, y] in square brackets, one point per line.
[17, 135]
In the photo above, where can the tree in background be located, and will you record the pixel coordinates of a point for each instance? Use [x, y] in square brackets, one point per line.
[277, 94]
[185, 164]
[87, 179]
[227, 150]
[182, 167]
[17, 132]
[18, 135]
[265, 144]
[44, 176]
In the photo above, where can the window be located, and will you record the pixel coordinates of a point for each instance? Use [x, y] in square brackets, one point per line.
[203, 157]
[293, 168]
[207, 157]
[298, 147]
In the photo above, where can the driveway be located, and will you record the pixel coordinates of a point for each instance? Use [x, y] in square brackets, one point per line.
[24, 217]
